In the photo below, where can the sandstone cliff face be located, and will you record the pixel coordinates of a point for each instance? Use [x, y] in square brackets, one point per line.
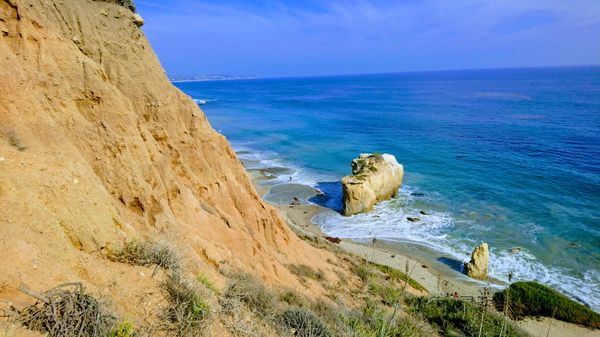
[374, 178]
[477, 267]
[97, 148]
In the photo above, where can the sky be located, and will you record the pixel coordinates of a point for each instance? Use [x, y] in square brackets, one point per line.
[282, 38]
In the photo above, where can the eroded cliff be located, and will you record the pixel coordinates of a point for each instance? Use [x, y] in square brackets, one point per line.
[97, 148]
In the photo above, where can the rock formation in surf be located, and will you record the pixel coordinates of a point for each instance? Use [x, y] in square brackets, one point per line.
[478, 266]
[375, 177]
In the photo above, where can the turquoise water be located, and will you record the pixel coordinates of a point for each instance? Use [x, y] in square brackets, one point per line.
[510, 157]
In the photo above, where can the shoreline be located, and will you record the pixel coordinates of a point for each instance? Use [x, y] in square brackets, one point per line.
[437, 278]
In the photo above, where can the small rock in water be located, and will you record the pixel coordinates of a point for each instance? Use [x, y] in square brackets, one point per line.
[424, 266]
[516, 250]
[393, 256]
[574, 245]
[295, 201]
[422, 212]
[417, 194]
[413, 219]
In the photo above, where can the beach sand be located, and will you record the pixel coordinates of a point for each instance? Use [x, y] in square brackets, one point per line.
[439, 278]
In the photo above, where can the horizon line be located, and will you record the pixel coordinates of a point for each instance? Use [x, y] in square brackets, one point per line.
[250, 77]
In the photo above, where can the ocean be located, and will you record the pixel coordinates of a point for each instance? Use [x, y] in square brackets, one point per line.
[509, 156]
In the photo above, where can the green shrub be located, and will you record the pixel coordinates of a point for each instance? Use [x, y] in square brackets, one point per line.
[458, 318]
[534, 299]
[124, 329]
[302, 323]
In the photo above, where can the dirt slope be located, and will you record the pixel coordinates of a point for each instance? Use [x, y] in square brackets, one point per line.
[97, 148]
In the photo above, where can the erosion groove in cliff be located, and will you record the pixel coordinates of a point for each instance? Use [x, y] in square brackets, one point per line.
[99, 148]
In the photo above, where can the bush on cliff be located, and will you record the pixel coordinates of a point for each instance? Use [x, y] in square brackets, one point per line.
[534, 299]
[458, 318]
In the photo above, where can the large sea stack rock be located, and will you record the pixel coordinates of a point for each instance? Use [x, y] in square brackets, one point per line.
[374, 178]
[478, 266]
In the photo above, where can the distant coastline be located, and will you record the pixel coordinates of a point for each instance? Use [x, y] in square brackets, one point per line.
[202, 78]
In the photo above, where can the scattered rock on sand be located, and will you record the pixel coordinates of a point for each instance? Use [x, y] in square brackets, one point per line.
[478, 266]
[375, 177]
[295, 201]
[333, 240]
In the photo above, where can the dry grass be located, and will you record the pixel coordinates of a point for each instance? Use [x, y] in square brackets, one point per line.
[302, 323]
[252, 293]
[147, 253]
[13, 139]
[304, 271]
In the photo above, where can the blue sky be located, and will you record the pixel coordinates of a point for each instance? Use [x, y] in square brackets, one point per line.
[319, 37]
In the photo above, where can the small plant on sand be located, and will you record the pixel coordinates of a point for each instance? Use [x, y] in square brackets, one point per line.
[292, 298]
[246, 289]
[124, 329]
[147, 253]
[305, 271]
[187, 311]
[303, 323]
[205, 281]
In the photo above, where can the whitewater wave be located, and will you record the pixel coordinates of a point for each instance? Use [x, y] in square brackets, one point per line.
[201, 101]
[279, 170]
[390, 221]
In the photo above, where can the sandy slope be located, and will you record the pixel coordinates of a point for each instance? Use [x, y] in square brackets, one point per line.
[97, 147]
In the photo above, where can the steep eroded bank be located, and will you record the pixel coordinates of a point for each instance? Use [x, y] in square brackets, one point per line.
[98, 148]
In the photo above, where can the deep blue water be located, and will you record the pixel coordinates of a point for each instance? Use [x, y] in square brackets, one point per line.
[510, 157]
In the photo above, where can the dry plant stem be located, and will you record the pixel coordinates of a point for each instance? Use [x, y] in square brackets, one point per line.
[66, 313]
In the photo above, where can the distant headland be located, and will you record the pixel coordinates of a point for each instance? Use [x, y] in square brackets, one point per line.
[213, 77]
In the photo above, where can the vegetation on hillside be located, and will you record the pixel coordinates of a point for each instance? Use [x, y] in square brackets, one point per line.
[459, 318]
[533, 299]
